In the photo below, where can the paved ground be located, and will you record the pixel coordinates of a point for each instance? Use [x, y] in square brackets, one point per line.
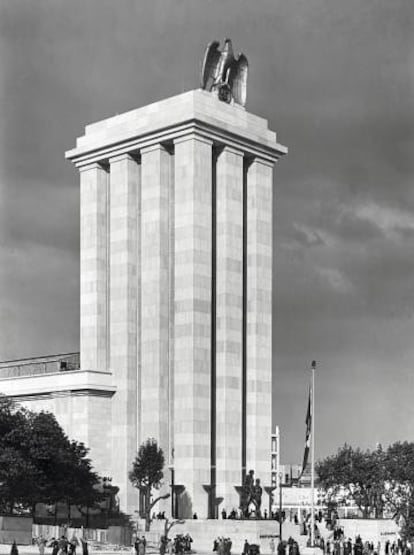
[33, 550]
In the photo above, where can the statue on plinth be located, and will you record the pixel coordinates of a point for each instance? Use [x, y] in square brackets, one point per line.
[224, 74]
[257, 497]
[251, 493]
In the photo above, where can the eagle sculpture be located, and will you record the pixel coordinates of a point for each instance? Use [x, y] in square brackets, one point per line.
[224, 74]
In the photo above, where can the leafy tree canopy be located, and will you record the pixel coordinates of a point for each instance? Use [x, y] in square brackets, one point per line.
[38, 462]
[375, 480]
[147, 473]
[147, 469]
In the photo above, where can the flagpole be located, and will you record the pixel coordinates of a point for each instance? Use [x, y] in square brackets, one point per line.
[313, 458]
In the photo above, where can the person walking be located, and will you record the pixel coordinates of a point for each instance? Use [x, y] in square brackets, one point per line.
[142, 546]
[163, 545]
[73, 543]
[272, 546]
[84, 544]
[41, 544]
[63, 545]
[54, 544]
[14, 550]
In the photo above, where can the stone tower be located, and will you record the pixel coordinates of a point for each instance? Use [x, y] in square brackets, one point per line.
[176, 293]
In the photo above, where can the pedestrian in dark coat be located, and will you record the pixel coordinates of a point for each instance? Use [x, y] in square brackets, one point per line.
[84, 544]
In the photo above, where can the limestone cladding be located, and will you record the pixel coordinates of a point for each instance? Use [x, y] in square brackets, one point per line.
[151, 313]
[81, 418]
[156, 185]
[168, 114]
[93, 263]
[192, 325]
[259, 318]
[229, 318]
[123, 307]
[155, 304]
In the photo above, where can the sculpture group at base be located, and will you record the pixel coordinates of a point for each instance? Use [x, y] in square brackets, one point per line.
[251, 494]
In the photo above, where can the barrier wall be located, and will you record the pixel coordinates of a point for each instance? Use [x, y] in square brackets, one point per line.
[370, 529]
[17, 528]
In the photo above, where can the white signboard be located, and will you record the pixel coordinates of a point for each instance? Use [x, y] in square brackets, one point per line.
[295, 497]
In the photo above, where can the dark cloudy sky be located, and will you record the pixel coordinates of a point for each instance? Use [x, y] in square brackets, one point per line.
[335, 78]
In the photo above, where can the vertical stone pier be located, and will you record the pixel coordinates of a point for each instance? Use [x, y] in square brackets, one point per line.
[93, 263]
[176, 292]
[155, 187]
[124, 181]
[192, 331]
[229, 322]
[259, 317]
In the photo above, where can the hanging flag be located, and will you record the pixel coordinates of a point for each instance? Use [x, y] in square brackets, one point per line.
[308, 422]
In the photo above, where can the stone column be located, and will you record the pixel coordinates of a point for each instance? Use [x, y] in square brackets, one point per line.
[192, 327]
[124, 190]
[155, 309]
[93, 267]
[229, 315]
[259, 319]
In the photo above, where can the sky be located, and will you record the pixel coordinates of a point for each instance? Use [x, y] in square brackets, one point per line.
[335, 79]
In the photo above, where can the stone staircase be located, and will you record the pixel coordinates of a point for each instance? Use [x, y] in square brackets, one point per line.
[204, 532]
[290, 529]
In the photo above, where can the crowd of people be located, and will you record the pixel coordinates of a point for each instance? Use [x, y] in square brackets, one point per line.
[179, 545]
[60, 546]
[250, 548]
[140, 545]
[182, 543]
[236, 514]
[222, 546]
[334, 543]
[289, 547]
[339, 545]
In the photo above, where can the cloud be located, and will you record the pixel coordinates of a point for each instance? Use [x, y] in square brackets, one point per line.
[391, 221]
[334, 79]
[335, 279]
[308, 237]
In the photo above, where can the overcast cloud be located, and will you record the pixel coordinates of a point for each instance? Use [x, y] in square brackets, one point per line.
[335, 79]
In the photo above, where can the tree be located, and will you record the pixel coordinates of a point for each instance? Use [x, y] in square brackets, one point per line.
[39, 464]
[376, 480]
[168, 524]
[358, 475]
[80, 483]
[18, 474]
[399, 490]
[46, 446]
[147, 474]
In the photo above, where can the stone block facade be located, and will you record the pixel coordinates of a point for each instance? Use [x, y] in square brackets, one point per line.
[176, 296]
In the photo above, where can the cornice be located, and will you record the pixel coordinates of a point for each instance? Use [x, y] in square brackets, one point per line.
[102, 153]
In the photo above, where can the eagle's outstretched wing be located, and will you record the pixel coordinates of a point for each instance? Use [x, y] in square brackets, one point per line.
[210, 65]
[237, 79]
[226, 60]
